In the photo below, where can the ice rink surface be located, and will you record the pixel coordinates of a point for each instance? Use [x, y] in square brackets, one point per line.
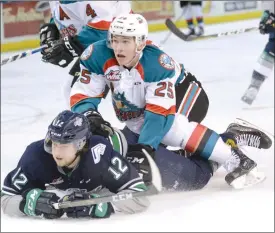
[31, 95]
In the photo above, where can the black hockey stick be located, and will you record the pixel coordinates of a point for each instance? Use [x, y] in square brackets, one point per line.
[173, 28]
[153, 189]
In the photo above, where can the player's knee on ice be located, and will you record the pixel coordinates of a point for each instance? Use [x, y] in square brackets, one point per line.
[178, 173]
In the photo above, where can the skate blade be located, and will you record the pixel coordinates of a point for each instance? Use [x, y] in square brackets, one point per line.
[252, 178]
[248, 124]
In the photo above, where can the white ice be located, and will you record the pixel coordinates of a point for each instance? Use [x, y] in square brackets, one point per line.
[31, 94]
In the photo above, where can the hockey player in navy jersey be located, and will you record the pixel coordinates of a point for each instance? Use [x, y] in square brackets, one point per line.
[70, 158]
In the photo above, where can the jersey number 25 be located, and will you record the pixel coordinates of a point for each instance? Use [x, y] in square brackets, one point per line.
[165, 88]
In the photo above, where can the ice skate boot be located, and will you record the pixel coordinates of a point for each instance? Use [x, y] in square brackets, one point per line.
[242, 171]
[239, 135]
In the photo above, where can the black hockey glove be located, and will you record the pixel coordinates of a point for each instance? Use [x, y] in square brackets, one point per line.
[36, 202]
[267, 23]
[62, 52]
[49, 33]
[136, 157]
[102, 210]
[98, 125]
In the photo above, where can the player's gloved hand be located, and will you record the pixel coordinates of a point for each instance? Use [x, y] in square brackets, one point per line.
[36, 202]
[102, 210]
[63, 51]
[98, 125]
[136, 157]
[267, 23]
[48, 33]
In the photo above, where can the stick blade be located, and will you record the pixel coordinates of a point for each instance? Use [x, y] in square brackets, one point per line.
[156, 177]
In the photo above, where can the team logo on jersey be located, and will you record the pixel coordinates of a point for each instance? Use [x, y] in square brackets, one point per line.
[166, 62]
[87, 53]
[113, 75]
[78, 121]
[97, 151]
[124, 109]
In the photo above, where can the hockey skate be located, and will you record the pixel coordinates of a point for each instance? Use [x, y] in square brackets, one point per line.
[239, 135]
[242, 171]
[250, 94]
[191, 33]
[200, 31]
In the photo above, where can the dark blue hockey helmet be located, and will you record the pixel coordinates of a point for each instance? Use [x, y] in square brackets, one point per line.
[68, 127]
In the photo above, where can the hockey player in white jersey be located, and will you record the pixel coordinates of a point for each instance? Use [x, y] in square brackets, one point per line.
[79, 23]
[265, 63]
[142, 79]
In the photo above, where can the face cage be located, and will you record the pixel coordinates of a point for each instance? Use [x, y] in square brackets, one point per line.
[78, 144]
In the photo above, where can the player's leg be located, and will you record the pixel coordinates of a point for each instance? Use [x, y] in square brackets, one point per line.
[188, 15]
[181, 173]
[198, 14]
[262, 71]
[198, 139]
[192, 102]
[178, 172]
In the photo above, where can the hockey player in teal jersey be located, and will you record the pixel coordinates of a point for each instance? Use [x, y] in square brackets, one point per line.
[142, 79]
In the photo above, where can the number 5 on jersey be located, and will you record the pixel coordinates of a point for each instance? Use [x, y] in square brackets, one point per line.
[85, 76]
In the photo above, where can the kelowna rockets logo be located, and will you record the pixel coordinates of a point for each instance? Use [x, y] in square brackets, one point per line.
[124, 109]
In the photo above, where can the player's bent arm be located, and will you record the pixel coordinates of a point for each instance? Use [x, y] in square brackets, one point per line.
[159, 111]
[87, 91]
[10, 204]
[15, 184]
[122, 177]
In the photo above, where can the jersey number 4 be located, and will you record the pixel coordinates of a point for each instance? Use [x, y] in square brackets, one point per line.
[165, 88]
[89, 12]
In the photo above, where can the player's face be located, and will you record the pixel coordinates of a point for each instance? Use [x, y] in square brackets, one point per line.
[63, 154]
[124, 49]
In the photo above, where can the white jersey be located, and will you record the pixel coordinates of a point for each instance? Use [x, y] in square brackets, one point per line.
[71, 16]
[268, 5]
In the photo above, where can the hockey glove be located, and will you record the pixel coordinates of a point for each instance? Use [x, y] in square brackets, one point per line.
[98, 125]
[136, 157]
[48, 33]
[36, 202]
[102, 210]
[267, 23]
[62, 52]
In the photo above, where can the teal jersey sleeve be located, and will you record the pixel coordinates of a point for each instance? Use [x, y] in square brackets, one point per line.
[88, 91]
[160, 75]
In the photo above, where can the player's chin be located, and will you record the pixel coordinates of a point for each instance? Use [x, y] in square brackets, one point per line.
[60, 162]
[121, 61]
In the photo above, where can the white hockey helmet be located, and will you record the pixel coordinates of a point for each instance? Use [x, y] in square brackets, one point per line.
[132, 25]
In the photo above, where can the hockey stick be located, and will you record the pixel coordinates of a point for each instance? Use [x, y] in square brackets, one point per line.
[170, 33]
[153, 189]
[22, 55]
[173, 28]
